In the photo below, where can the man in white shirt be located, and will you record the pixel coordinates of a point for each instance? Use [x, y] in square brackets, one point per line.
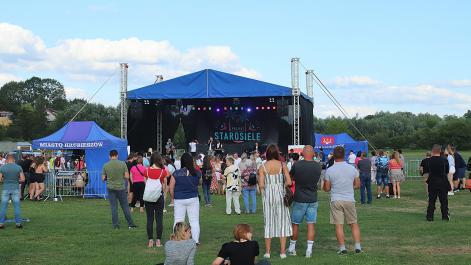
[341, 179]
[237, 160]
[192, 145]
[351, 158]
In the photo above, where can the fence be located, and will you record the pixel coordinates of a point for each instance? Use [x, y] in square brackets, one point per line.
[73, 184]
[411, 168]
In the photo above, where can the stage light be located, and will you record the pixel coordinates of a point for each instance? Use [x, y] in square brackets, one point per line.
[209, 108]
[273, 108]
[199, 108]
[193, 108]
[218, 110]
[204, 108]
[230, 108]
[241, 108]
[268, 107]
[225, 108]
[236, 108]
[256, 108]
[249, 110]
[263, 108]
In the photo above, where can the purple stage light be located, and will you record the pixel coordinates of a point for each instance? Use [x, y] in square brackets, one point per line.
[249, 110]
[218, 110]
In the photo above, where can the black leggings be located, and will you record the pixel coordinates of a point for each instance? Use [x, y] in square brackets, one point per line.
[138, 192]
[155, 210]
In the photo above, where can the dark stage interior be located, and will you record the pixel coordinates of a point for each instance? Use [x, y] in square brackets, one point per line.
[237, 122]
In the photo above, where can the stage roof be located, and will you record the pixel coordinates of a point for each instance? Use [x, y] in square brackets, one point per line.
[210, 83]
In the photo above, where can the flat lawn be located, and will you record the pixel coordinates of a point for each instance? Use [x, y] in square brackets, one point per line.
[420, 154]
[78, 231]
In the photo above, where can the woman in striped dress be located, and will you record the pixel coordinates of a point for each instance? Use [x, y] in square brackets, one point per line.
[274, 176]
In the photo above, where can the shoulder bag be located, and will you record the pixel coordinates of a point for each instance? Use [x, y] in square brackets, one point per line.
[153, 189]
[288, 197]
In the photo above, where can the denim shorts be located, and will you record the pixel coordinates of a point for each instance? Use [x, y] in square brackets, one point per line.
[382, 178]
[299, 210]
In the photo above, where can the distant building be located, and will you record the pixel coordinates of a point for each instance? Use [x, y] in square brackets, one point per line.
[6, 114]
[51, 115]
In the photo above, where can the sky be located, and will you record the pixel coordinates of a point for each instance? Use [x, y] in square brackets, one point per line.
[373, 55]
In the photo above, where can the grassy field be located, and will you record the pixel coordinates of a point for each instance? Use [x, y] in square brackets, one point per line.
[78, 231]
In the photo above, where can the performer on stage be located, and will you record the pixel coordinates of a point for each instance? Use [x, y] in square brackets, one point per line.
[170, 149]
[218, 148]
[192, 145]
[210, 146]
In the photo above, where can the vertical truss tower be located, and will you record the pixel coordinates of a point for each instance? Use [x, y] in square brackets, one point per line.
[123, 100]
[296, 106]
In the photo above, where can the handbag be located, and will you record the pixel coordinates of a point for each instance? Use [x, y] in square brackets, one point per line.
[153, 189]
[288, 197]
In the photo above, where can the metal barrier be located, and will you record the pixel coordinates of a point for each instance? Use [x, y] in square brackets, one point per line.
[74, 184]
[411, 168]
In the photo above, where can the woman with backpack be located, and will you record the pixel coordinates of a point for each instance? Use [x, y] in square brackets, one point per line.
[138, 185]
[207, 171]
[155, 209]
[248, 167]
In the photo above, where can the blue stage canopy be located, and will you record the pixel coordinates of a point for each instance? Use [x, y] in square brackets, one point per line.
[96, 142]
[210, 84]
[329, 141]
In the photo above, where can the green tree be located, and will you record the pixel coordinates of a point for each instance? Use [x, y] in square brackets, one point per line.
[179, 137]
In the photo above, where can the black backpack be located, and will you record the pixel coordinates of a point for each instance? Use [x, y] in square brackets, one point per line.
[208, 175]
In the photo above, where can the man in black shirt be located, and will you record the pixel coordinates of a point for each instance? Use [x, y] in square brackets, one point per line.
[25, 164]
[306, 174]
[438, 184]
[424, 169]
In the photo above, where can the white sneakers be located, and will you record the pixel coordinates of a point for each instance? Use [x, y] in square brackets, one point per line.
[451, 193]
[308, 254]
[292, 252]
[266, 256]
[282, 256]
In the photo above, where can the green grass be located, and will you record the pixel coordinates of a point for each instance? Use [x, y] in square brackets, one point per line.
[78, 231]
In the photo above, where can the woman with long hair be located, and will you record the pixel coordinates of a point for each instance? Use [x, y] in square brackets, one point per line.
[217, 182]
[138, 184]
[274, 177]
[181, 249]
[207, 172]
[155, 210]
[184, 189]
[233, 188]
[397, 175]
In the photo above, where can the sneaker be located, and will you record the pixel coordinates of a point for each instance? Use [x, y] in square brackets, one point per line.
[292, 252]
[266, 256]
[342, 252]
[446, 218]
[150, 243]
[170, 205]
[379, 196]
[387, 196]
[395, 197]
[358, 251]
[132, 227]
[282, 256]
[451, 193]
[158, 243]
[165, 210]
[398, 197]
[308, 254]
[2, 226]
[19, 226]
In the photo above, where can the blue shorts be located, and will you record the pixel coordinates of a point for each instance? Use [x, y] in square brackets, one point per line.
[299, 210]
[382, 178]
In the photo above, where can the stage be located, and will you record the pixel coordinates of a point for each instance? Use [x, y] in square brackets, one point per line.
[235, 110]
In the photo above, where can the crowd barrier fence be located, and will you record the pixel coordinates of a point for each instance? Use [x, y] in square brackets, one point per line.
[85, 184]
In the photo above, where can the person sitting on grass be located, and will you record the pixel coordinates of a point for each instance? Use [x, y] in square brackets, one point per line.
[241, 251]
[341, 179]
[181, 249]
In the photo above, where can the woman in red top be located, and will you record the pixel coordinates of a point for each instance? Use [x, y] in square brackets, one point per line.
[155, 210]
[397, 175]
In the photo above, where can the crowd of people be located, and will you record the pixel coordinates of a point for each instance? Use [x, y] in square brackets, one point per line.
[288, 187]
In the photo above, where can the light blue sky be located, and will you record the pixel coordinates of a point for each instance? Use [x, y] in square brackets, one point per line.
[374, 55]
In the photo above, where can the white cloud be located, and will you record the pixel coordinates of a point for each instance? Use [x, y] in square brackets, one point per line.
[461, 83]
[352, 81]
[95, 59]
[72, 93]
[5, 78]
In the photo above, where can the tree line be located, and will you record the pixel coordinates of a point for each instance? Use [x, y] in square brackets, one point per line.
[32, 99]
[403, 129]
